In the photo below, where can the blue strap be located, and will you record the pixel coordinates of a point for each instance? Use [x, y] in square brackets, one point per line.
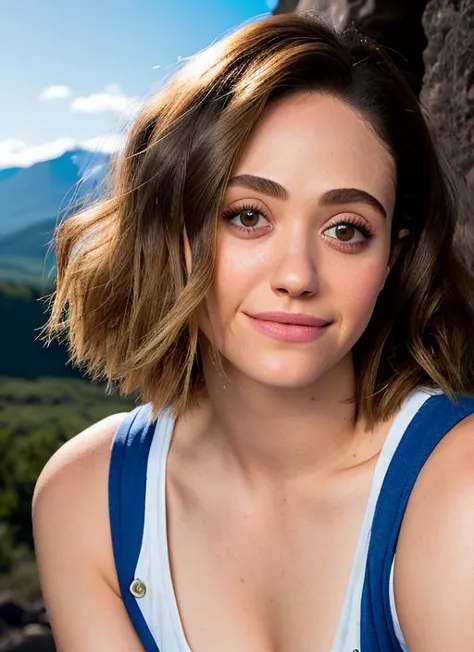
[433, 420]
[127, 484]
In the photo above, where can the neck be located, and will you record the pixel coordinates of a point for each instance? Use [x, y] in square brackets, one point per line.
[278, 434]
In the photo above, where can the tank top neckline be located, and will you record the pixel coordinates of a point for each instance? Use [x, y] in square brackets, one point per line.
[165, 424]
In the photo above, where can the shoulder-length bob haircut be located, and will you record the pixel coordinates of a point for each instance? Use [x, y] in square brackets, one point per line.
[129, 303]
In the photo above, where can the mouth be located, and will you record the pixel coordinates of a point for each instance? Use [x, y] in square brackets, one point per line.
[289, 327]
[297, 319]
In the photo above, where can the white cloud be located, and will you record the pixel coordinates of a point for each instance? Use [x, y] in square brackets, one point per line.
[54, 93]
[108, 144]
[111, 100]
[16, 153]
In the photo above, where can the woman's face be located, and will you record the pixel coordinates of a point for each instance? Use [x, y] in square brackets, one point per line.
[305, 230]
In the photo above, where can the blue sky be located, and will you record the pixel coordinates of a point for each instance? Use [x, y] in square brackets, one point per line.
[73, 70]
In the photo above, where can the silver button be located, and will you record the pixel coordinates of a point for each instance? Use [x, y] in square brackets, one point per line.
[138, 588]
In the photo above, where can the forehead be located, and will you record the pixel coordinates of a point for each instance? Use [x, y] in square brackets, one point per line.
[312, 142]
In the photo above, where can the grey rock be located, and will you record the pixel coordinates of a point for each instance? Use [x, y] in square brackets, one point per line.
[24, 627]
[285, 6]
[33, 638]
[12, 610]
[432, 42]
[448, 89]
[396, 24]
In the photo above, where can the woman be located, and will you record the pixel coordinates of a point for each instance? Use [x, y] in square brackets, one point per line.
[274, 272]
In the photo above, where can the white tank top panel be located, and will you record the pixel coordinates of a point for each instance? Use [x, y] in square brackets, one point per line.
[159, 606]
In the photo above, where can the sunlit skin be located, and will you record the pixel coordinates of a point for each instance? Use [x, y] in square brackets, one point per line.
[280, 411]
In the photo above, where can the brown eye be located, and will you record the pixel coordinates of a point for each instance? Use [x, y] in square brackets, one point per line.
[249, 217]
[345, 232]
[348, 233]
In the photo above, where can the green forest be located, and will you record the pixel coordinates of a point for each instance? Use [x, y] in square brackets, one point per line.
[43, 403]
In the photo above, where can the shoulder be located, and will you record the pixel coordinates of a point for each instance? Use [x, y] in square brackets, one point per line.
[71, 495]
[434, 568]
[73, 547]
[88, 450]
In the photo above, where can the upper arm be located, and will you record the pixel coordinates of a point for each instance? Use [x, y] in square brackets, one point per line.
[434, 568]
[73, 547]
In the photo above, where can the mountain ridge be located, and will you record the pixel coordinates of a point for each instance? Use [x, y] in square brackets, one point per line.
[49, 189]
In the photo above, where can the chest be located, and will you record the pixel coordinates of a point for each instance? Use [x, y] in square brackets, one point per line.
[264, 578]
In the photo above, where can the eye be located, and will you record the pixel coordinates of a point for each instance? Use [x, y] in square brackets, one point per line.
[246, 218]
[345, 232]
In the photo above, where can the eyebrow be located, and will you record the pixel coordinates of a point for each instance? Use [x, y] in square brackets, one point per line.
[334, 196]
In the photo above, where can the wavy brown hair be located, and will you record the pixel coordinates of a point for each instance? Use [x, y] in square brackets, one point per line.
[124, 299]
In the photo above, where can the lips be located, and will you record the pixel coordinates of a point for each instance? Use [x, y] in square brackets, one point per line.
[289, 327]
[296, 319]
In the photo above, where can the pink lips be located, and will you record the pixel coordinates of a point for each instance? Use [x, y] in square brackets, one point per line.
[289, 327]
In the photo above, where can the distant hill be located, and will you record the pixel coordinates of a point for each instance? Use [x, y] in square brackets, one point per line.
[22, 355]
[24, 255]
[31, 241]
[6, 173]
[48, 189]
[32, 272]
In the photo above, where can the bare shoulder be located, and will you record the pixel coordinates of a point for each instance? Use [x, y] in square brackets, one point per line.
[73, 545]
[434, 568]
[91, 446]
[75, 481]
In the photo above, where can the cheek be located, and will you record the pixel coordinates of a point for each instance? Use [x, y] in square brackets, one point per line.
[359, 290]
[236, 275]
[238, 270]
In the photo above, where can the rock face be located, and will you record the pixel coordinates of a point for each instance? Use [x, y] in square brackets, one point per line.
[24, 628]
[448, 94]
[395, 23]
[436, 37]
[448, 88]
[285, 6]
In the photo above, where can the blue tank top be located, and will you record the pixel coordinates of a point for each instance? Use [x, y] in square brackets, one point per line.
[137, 507]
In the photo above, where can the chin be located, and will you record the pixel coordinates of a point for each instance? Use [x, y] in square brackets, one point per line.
[287, 383]
[285, 374]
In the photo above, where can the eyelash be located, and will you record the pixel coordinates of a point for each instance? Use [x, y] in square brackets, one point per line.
[230, 213]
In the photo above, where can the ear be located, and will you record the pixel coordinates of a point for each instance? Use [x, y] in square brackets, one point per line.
[395, 253]
[187, 251]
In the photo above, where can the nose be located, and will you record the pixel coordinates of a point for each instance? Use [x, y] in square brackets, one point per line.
[295, 268]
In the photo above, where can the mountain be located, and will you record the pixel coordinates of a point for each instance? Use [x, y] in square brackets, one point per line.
[26, 256]
[6, 173]
[49, 189]
[31, 241]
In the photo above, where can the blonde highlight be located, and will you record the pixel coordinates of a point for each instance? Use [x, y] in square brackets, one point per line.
[124, 295]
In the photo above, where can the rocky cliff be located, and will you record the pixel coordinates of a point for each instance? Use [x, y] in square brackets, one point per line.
[432, 42]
